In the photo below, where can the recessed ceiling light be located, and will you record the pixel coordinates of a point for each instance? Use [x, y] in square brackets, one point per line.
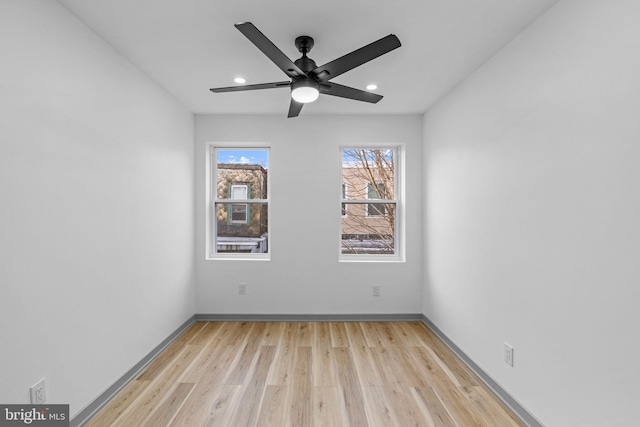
[372, 87]
[240, 80]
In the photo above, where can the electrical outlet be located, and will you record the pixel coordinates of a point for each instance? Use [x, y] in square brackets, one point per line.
[242, 288]
[508, 354]
[38, 393]
[376, 290]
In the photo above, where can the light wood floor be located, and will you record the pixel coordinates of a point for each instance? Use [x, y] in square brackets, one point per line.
[297, 374]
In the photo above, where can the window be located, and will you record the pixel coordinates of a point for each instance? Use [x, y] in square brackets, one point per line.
[238, 212]
[370, 231]
[238, 208]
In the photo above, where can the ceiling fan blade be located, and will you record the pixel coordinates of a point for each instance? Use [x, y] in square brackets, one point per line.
[294, 108]
[335, 89]
[268, 48]
[250, 87]
[356, 58]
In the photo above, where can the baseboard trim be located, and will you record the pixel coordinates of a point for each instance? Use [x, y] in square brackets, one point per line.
[90, 410]
[518, 410]
[394, 317]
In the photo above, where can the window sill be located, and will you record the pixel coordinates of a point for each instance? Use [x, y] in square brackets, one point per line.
[372, 258]
[235, 256]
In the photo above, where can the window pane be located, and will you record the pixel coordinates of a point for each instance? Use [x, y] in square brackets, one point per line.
[362, 169]
[363, 234]
[242, 174]
[377, 192]
[242, 228]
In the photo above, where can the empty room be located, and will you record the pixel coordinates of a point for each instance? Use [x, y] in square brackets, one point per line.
[339, 213]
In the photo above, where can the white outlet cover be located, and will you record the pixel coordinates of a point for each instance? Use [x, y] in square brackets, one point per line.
[38, 392]
[508, 354]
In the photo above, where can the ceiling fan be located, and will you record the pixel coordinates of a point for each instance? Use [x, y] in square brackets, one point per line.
[307, 79]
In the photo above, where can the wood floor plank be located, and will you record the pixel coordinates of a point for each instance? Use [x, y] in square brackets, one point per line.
[406, 334]
[379, 410]
[323, 367]
[367, 367]
[427, 397]
[274, 411]
[462, 413]
[206, 333]
[326, 400]
[224, 407]
[407, 409]
[350, 387]
[168, 354]
[283, 366]
[158, 389]
[247, 357]
[253, 391]
[221, 366]
[112, 410]
[356, 335]
[301, 406]
[245, 374]
[203, 363]
[167, 409]
[197, 405]
[151, 397]
[395, 367]
[290, 334]
[451, 364]
[388, 334]
[372, 334]
[338, 335]
[303, 372]
[321, 335]
[272, 333]
[445, 357]
[237, 332]
[305, 334]
[489, 410]
[354, 406]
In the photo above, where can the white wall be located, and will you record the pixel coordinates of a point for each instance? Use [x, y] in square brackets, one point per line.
[96, 208]
[532, 207]
[304, 275]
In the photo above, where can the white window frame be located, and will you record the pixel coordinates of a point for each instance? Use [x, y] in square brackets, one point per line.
[398, 200]
[212, 200]
[344, 194]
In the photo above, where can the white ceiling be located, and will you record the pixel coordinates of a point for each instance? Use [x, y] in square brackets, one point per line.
[188, 46]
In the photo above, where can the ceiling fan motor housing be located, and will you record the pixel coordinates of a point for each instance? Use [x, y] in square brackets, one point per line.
[304, 45]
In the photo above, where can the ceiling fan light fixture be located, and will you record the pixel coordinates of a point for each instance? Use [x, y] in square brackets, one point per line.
[304, 91]
[240, 80]
[306, 78]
